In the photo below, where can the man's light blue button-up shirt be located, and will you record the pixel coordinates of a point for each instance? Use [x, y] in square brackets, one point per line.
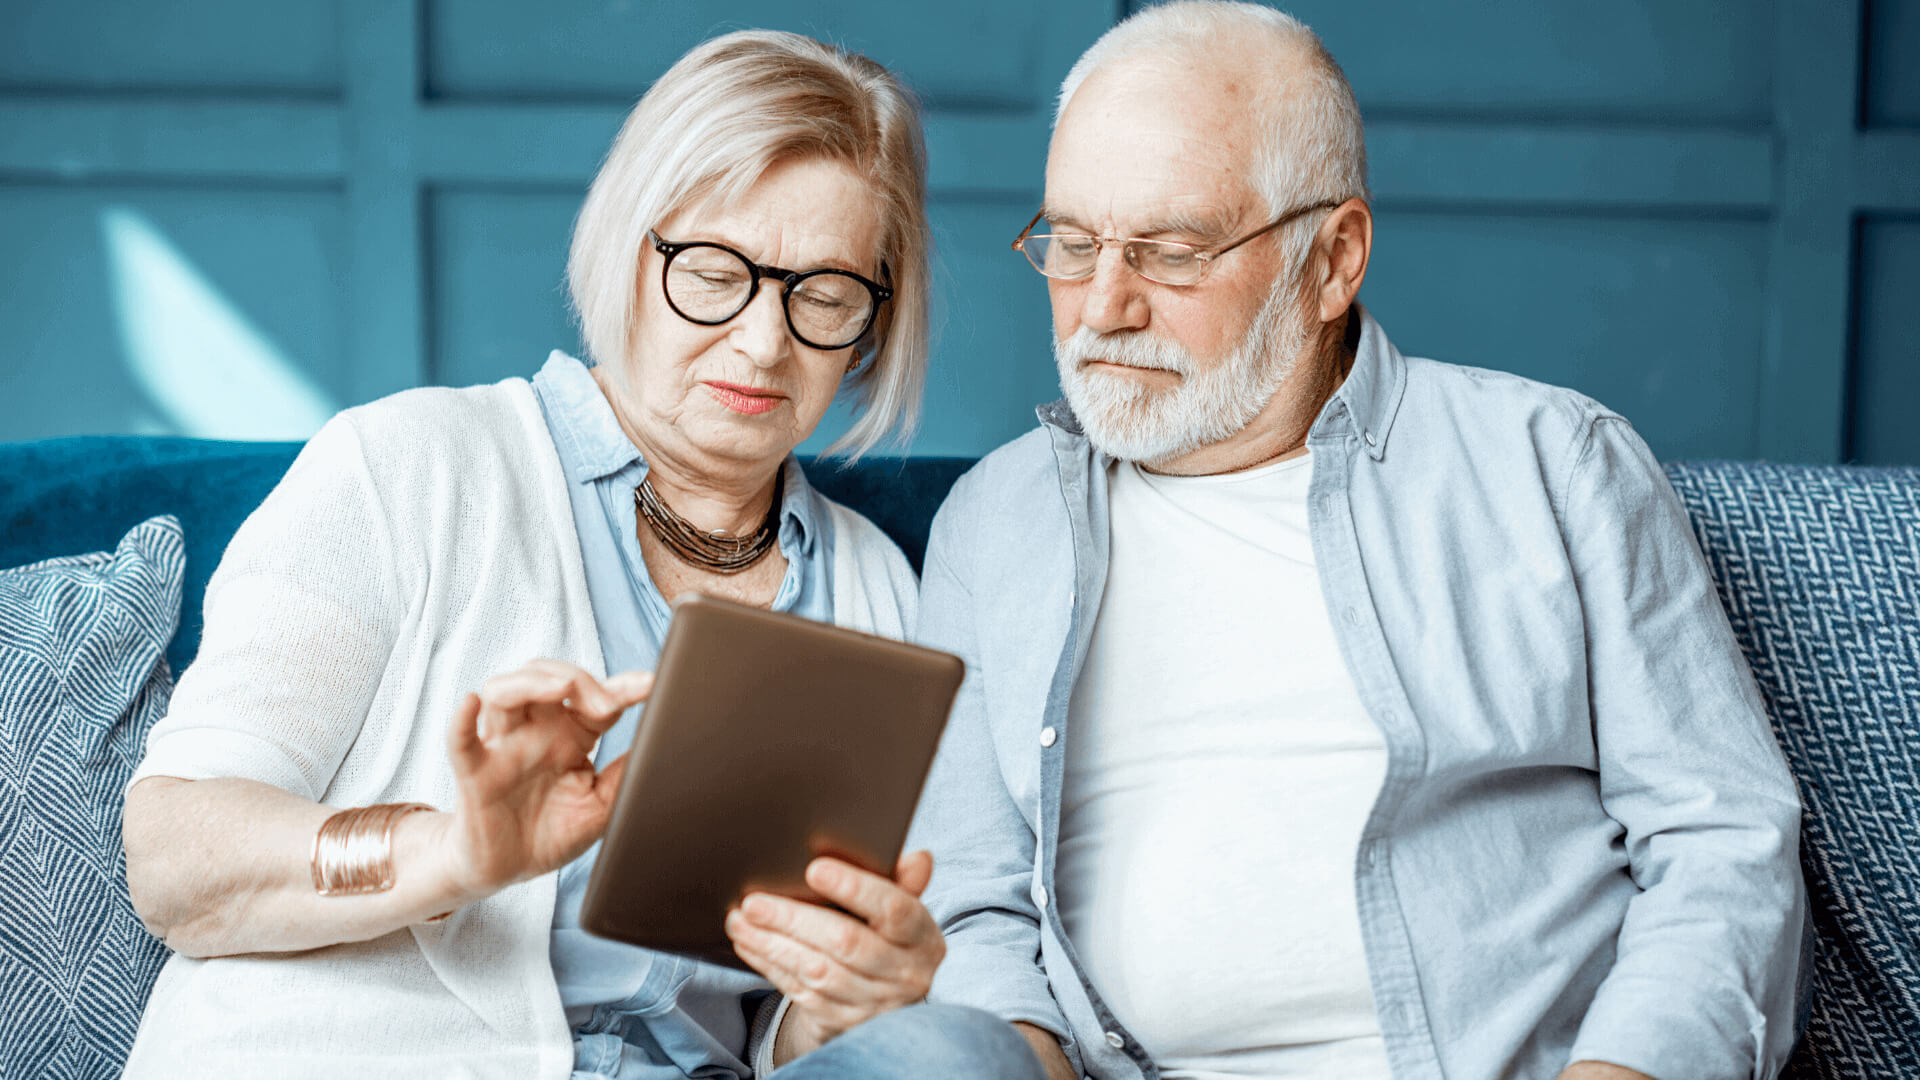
[1585, 846]
[638, 1014]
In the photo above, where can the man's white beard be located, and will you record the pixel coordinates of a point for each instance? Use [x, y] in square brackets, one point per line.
[1127, 419]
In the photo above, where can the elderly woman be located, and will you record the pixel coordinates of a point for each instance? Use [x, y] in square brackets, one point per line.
[367, 823]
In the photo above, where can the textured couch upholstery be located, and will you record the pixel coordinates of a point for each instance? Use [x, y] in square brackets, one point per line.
[1819, 568]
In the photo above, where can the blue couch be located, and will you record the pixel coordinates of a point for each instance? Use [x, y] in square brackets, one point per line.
[1819, 569]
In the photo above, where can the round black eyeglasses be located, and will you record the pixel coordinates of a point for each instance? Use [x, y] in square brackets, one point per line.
[708, 284]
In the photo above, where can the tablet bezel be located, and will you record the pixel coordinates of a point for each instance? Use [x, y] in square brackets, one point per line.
[836, 730]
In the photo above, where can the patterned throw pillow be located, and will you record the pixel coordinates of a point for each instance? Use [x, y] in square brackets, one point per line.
[81, 679]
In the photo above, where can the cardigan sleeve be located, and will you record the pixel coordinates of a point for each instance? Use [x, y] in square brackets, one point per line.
[301, 617]
[874, 588]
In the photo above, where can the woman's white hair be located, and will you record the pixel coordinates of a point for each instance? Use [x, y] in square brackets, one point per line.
[1313, 147]
[704, 134]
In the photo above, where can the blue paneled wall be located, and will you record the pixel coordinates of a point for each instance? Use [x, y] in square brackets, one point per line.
[229, 218]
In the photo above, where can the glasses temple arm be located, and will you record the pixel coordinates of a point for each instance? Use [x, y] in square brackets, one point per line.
[1258, 233]
[1022, 238]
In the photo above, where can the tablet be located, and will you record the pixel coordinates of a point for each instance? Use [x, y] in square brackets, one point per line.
[769, 739]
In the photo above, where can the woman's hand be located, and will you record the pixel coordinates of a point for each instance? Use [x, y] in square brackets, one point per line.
[522, 752]
[841, 970]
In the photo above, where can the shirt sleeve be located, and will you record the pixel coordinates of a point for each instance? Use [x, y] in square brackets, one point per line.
[983, 848]
[301, 616]
[1703, 982]
[766, 1032]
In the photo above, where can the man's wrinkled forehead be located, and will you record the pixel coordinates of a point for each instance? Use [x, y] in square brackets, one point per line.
[1139, 145]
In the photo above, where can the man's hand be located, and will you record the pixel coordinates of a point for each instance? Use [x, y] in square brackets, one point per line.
[840, 971]
[1600, 1070]
[522, 754]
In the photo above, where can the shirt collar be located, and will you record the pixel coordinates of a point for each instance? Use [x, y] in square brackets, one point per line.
[587, 433]
[593, 447]
[1371, 391]
[799, 511]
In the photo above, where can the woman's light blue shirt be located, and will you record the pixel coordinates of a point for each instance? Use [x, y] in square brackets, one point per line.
[638, 1014]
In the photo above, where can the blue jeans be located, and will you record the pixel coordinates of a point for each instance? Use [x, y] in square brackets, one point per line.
[922, 1042]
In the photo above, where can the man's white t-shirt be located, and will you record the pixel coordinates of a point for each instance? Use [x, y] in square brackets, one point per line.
[1219, 769]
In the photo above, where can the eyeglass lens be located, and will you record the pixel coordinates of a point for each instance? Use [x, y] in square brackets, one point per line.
[1068, 255]
[827, 309]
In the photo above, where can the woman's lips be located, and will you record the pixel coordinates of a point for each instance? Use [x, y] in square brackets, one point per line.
[745, 399]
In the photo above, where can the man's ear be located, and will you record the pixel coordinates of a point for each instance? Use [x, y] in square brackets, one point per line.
[1345, 242]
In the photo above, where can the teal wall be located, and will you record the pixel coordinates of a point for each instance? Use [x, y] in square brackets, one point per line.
[229, 218]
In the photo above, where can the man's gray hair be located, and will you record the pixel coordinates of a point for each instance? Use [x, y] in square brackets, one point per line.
[1313, 148]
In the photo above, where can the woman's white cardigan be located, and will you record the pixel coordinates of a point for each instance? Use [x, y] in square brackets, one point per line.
[418, 546]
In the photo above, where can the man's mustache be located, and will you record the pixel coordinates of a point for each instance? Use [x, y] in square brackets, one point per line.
[1142, 352]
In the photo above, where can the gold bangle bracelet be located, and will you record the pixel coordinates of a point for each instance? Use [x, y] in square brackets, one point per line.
[353, 851]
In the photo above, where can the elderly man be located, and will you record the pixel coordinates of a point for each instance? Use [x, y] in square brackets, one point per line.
[1331, 713]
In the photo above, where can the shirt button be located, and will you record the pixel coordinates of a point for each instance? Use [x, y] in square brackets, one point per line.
[1373, 853]
[1371, 441]
[1040, 895]
[1115, 1040]
[1048, 736]
[1353, 617]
